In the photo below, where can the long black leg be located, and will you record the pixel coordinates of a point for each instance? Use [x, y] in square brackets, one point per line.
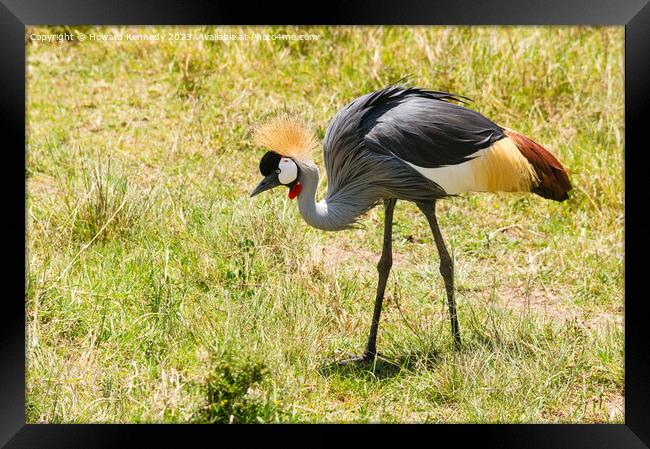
[446, 267]
[383, 268]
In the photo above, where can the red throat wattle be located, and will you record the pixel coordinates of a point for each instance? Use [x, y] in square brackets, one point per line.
[295, 190]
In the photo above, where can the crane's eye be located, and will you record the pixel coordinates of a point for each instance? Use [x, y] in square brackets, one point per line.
[277, 170]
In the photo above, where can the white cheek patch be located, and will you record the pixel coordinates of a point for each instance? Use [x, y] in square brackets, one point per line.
[288, 171]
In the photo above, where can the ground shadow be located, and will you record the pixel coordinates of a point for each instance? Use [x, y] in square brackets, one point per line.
[382, 367]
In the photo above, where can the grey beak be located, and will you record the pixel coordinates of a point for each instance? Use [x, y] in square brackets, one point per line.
[267, 183]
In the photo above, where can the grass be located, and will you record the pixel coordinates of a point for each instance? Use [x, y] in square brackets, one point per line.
[157, 291]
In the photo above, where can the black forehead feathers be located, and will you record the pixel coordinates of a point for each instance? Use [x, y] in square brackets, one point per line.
[269, 163]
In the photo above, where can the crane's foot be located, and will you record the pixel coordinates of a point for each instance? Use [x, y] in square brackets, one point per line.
[366, 357]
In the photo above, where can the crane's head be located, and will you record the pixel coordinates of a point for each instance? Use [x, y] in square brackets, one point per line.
[290, 141]
[278, 170]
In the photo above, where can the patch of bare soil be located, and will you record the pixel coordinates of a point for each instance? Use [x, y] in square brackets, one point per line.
[346, 255]
[41, 184]
[549, 303]
[545, 302]
[615, 406]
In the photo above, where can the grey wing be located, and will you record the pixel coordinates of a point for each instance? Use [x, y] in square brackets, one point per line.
[343, 143]
[421, 129]
[357, 170]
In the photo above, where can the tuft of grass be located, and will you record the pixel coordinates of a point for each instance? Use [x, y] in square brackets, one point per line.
[101, 203]
[229, 393]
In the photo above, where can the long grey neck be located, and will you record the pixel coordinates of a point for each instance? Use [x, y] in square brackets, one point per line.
[318, 215]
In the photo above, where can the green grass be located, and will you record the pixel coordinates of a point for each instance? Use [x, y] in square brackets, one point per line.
[159, 292]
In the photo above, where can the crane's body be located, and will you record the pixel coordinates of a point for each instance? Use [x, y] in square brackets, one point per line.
[402, 143]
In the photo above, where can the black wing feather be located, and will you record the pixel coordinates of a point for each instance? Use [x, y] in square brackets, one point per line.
[423, 128]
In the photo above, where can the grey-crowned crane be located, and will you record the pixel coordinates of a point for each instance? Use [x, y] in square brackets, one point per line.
[409, 144]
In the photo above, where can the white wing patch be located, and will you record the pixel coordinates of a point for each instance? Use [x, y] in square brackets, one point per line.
[452, 178]
[500, 167]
